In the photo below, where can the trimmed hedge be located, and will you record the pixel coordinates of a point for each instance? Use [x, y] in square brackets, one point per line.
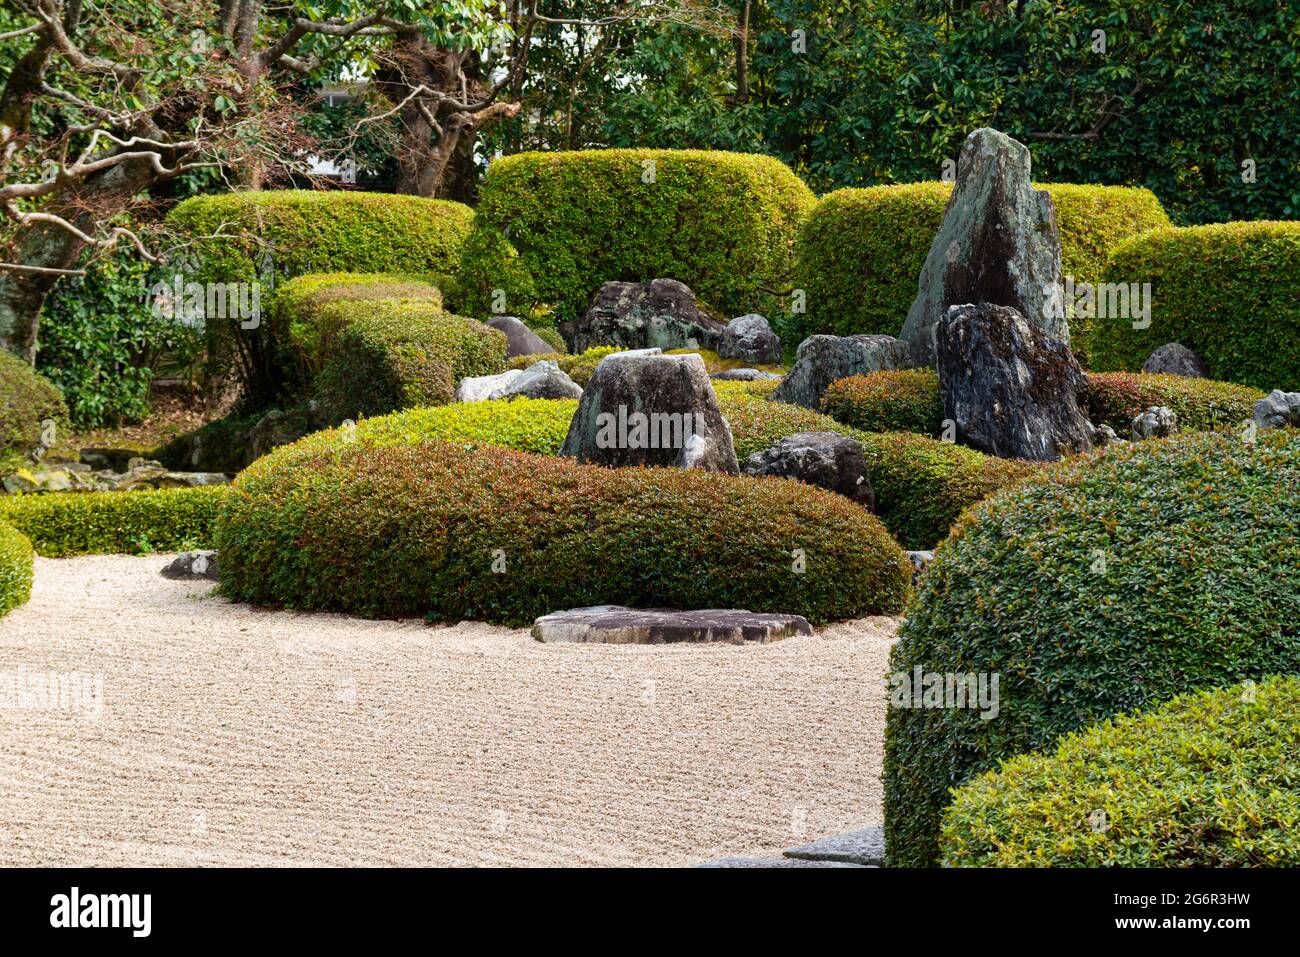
[1230, 292]
[95, 523]
[1115, 398]
[722, 223]
[909, 401]
[860, 251]
[15, 569]
[1109, 584]
[27, 399]
[399, 354]
[1205, 780]
[306, 231]
[415, 529]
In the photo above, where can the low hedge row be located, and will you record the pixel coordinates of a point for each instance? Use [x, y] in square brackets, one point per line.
[93, 523]
[488, 533]
[15, 568]
[235, 236]
[909, 401]
[1205, 780]
[27, 400]
[1230, 292]
[1115, 398]
[859, 251]
[555, 226]
[1111, 584]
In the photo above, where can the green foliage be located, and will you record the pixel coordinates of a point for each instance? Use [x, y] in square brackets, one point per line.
[27, 402]
[886, 91]
[96, 523]
[922, 485]
[101, 344]
[1109, 584]
[860, 251]
[415, 529]
[15, 569]
[720, 222]
[269, 236]
[1202, 405]
[551, 336]
[1229, 292]
[909, 401]
[896, 401]
[1205, 780]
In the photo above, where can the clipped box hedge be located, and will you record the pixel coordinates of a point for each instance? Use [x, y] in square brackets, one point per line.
[1209, 779]
[909, 401]
[1108, 584]
[15, 568]
[859, 252]
[303, 231]
[555, 226]
[1230, 292]
[431, 528]
[96, 523]
[27, 400]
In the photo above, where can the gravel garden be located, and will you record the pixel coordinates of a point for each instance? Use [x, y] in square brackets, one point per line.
[678, 519]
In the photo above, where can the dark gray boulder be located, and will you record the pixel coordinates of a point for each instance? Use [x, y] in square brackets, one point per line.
[1011, 390]
[825, 459]
[192, 565]
[749, 338]
[520, 340]
[645, 408]
[998, 243]
[1155, 423]
[865, 847]
[541, 380]
[821, 360]
[1174, 358]
[1278, 409]
[617, 624]
[661, 313]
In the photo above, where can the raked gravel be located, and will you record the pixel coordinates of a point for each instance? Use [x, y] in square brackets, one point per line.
[228, 735]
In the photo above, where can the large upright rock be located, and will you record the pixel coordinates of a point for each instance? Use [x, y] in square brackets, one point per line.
[998, 243]
[1011, 390]
[820, 360]
[1174, 358]
[645, 408]
[520, 340]
[661, 313]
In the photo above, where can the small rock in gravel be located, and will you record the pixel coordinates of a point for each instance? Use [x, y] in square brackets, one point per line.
[616, 624]
[865, 848]
[771, 862]
[191, 565]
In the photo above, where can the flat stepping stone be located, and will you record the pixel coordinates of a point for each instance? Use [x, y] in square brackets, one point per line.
[770, 862]
[865, 848]
[616, 624]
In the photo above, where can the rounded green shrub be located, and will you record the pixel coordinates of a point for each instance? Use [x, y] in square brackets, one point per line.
[339, 523]
[1202, 405]
[1108, 584]
[96, 523]
[15, 569]
[1229, 292]
[859, 252]
[1208, 779]
[271, 236]
[723, 223]
[895, 401]
[29, 403]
